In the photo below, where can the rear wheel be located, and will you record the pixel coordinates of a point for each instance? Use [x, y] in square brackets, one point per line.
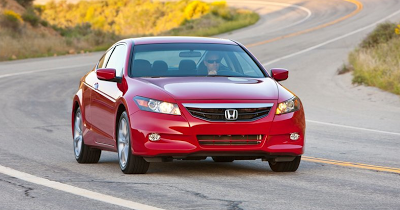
[223, 159]
[129, 163]
[285, 166]
[83, 153]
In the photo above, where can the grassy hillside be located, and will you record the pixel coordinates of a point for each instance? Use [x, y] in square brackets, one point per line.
[377, 61]
[62, 28]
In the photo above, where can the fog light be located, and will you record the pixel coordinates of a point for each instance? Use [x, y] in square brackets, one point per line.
[154, 137]
[294, 136]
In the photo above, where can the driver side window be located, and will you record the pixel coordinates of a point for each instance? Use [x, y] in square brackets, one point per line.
[103, 61]
[117, 60]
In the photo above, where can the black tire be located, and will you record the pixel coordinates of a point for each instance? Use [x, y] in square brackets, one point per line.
[83, 153]
[291, 166]
[129, 163]
[223, 159]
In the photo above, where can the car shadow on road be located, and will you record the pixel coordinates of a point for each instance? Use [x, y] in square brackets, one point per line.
[200, 168]
[208, 167]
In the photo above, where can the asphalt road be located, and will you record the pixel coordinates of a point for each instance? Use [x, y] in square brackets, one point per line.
[354, 124]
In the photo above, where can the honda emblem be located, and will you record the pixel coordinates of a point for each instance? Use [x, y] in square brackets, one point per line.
[231, 114]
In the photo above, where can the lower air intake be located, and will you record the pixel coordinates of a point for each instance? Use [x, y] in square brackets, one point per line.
[232, 140]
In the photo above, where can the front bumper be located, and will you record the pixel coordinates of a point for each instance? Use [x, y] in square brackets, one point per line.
[179, 135]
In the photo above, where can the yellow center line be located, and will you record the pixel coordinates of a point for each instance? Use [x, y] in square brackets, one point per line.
[353, 165]
[359, 8]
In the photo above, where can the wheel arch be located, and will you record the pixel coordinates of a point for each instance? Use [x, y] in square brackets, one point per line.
[75, 105]
[120, 110]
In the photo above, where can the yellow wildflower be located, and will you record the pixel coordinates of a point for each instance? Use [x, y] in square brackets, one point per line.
[12, 16]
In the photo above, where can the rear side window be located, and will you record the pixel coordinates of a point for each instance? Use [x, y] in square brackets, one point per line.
[117, 60]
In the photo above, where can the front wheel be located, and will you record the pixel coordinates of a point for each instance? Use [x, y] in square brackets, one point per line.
[83, 153]
[129, 163]
[291, 166]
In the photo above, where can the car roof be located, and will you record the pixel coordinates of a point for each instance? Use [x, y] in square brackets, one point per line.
[179, 39]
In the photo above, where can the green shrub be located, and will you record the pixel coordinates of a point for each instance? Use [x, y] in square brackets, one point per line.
[211, 24]
[345, 68]
[85, 33]
[76, 31]
[39, 9]
[44, 23]
[378, 66]
[382, 34]
[25, 3]
[220, 9]
[11, 19]
[31, 17]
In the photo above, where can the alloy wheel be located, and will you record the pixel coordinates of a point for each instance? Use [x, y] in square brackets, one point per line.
[123, 143]
[78, 134]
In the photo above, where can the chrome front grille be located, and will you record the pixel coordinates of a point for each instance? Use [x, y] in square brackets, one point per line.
[231, 140]
[216, 112]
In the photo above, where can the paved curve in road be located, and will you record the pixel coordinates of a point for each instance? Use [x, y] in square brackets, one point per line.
[352, 131]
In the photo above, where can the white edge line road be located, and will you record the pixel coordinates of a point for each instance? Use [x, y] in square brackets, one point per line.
[355, 128]
[74, 190]
[42, 70]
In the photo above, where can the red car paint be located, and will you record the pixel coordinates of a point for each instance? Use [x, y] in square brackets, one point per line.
[101, 102]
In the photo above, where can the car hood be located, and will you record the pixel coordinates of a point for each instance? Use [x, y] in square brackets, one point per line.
[213, 88]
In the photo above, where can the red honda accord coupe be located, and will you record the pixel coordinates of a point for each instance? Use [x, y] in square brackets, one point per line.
[157, 99]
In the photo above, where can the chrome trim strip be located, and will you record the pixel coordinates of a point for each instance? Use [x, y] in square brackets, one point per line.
[227, 105]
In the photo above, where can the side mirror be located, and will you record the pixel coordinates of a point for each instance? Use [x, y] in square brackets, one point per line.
[279, 74]
[107, 75]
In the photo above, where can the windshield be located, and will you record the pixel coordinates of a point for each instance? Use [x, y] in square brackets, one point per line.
[188, 60]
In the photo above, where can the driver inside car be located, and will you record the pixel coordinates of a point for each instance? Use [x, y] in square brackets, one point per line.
[212, 62]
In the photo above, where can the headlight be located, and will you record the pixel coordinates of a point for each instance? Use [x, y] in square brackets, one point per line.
[152, 105]
[288, 106]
